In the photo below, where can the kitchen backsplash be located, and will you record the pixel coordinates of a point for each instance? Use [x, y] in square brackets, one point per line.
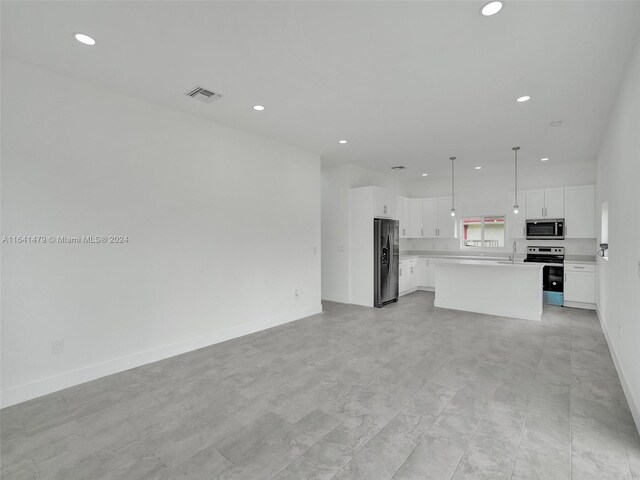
[572, 246]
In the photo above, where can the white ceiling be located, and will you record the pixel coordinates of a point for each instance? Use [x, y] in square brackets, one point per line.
[408, 83]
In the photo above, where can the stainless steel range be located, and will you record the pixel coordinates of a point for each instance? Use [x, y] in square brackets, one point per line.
[553, 272]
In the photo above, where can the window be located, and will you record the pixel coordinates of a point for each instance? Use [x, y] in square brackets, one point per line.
[483, 231]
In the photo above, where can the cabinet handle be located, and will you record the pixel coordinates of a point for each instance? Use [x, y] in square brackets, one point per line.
[400, 272]
[565, 278]
[524, 231]
[385, 209]
[542, 213]
[579, 267]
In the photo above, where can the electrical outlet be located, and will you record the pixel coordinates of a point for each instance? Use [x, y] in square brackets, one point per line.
[57, 346]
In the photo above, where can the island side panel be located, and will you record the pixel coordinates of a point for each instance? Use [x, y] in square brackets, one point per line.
[504, 290]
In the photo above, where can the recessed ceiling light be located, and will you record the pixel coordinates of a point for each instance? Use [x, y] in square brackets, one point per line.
[491, 8]
[342, 142]
[556, 123]
[524, 98]
[258, 108]
[425, 174]
[544, 159]
[86, 39]
[478, 168]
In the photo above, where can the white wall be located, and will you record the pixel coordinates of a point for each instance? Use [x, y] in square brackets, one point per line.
[486, 192]
[222, 228]
[619, 277]
[336, 183]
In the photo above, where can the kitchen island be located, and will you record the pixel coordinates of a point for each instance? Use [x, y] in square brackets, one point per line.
[492, 287]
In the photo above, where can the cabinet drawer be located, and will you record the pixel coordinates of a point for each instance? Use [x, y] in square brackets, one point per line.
[579, 267]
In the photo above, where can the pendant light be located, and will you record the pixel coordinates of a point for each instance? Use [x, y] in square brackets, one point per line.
[515, 206]
[453, 207]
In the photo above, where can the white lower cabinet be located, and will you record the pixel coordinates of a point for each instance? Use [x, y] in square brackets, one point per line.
[580, 285]
[422, 272]
[412, 274]
[406, 276]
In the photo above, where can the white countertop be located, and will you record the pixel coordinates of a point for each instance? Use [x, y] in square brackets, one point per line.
[580, 259]
[500, 263]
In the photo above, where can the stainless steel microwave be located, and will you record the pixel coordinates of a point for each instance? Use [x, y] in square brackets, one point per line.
[545, 229]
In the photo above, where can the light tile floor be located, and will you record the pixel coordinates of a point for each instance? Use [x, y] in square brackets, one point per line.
[404, 392]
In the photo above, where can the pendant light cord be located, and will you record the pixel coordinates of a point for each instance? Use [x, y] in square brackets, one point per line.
[453, 196]
[515, 149]
[516, 176]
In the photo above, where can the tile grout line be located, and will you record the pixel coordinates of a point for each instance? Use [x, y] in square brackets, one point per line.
[624, 446]
[424, 434]
[470, 438]
[515, 459]
[368, 383]
[524, 424]
[570, 399]
[477, 424]
[375, 435]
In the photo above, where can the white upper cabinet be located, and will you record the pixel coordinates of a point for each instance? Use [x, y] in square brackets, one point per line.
[535, 203]
[402, 215]
[554, 202]
[437, 221]
[579, 219]
[545, 203]
[415, 218]
[516, 223]
[446, 223]
[429, 227]
[384, 203]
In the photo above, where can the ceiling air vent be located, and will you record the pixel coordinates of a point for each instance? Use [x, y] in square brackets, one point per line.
[203, 95]
[398, 167]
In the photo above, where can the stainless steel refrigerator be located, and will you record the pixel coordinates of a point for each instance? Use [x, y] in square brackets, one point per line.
[386, 261]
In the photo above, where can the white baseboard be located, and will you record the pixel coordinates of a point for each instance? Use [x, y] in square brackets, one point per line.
[335, 297]
[417, 289]
[407, 292]
[634, 406]
[44, 386]
[585, 306]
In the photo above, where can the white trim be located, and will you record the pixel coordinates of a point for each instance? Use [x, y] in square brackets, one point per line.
[335, 297]
[417, 289]
[407, 292]
[583, 305]
[25, 392]
[634, 406]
